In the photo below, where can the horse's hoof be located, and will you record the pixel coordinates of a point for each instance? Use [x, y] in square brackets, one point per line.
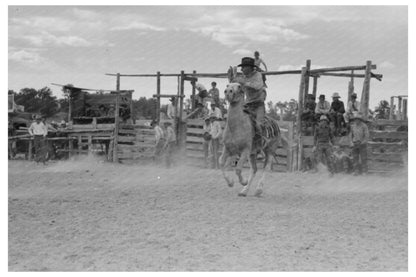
[258, 192]
[242, 194]
[244, 183]
[230, 183]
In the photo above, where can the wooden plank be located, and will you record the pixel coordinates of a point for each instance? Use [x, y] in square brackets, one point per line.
[194, 139]
[307, 140]
[391, 122]
[387, 157]
[389, 135]
[125, 131]
[343, 68]
[195, 146]
[198, 131]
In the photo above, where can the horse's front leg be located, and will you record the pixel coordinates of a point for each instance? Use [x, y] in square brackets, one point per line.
[244, 157]
[225, 161]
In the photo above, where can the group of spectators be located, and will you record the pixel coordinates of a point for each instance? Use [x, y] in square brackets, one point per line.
[327, 152]
[338, 116]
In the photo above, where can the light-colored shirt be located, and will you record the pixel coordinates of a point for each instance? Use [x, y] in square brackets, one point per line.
[159, 133]
[259, 62]
[351, 107]
[253, 86]
[170, 134]
[172, 111]
[322, 107]
[36, 129]
[216, 130]
[359, 132]
[199, 87]
[214, 93]
[217, 112]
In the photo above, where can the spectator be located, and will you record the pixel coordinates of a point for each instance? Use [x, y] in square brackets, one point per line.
[352, 107]
[323, 141]
[322, 107]
[160, 140]
[216, 132]
[170, 141]
[202, 91]
[336, 113]
[258, 62]
[39, 131]
[308, 114]
[359, 135]
[214, 93]
[207, 141]
[215, 111]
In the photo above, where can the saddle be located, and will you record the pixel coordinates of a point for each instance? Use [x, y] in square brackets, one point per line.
[269, 128]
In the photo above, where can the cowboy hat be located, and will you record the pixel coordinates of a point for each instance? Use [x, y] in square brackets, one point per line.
[323, 117]
[336, 95]
[322, 96]
[247, 61]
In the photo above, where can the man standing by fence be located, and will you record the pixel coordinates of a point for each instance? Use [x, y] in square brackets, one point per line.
[359, 136]
[169, 143]
[39, 131]
[216, 132]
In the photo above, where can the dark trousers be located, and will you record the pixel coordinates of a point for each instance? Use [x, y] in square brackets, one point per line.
[324, 153]
[338, 119]
[359, 156]
[39, 143]
[215, 152]
[206, 145]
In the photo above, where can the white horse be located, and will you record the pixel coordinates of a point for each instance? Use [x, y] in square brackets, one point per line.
[238, 141]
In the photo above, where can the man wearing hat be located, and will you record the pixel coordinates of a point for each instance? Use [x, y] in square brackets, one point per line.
[207, 140]
[39, 131]
[254, 89]
[172, 110]
[202, 91]
[308, 114]
[215, 111]
[169, 142]
[160, 139]
[323, 141]
[353, 106]
[216, 133]
[359, 135]
[322, 107]
[336, 112]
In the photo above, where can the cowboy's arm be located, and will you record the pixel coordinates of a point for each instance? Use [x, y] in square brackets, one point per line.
[30, 130]
[255, 81]
[265, 66]
[45, 130]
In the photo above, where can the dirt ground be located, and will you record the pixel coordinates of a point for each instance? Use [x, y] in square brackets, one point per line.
[94, 216]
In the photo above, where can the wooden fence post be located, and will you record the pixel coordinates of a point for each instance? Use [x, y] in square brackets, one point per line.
[315, 85]
[158, 96]
[193, 96]
[299, 122]
[350, 87]
[391, 115]
[308, 68]
[399, 109]
[365, 97]
[181, 94]
[116, 121]
[404, 109]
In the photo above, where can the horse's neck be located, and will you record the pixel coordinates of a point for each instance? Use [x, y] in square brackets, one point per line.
[237, 118]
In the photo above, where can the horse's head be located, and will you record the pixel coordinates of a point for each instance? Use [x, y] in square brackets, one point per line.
[234, 93]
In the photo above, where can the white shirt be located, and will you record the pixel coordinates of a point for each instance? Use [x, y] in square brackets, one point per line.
[159, 133]
[172, 111]
[216, 130]
[199, 87]
[36, 129]
[217, 112]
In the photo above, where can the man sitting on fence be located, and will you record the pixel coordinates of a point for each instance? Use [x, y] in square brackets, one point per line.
[352, 107]
[336, 113]
[322, 107]
[308, 114]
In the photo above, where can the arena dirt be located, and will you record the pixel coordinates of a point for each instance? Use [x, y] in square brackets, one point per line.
[88, 215]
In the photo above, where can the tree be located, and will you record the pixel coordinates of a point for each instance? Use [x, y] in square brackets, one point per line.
[37, 101]
[382, 111]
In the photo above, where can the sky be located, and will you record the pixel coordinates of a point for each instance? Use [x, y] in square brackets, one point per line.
[79, 44]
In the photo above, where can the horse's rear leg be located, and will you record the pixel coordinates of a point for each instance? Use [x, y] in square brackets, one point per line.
[267, 167]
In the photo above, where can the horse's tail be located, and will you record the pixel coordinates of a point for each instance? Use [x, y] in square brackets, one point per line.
[271, 128]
